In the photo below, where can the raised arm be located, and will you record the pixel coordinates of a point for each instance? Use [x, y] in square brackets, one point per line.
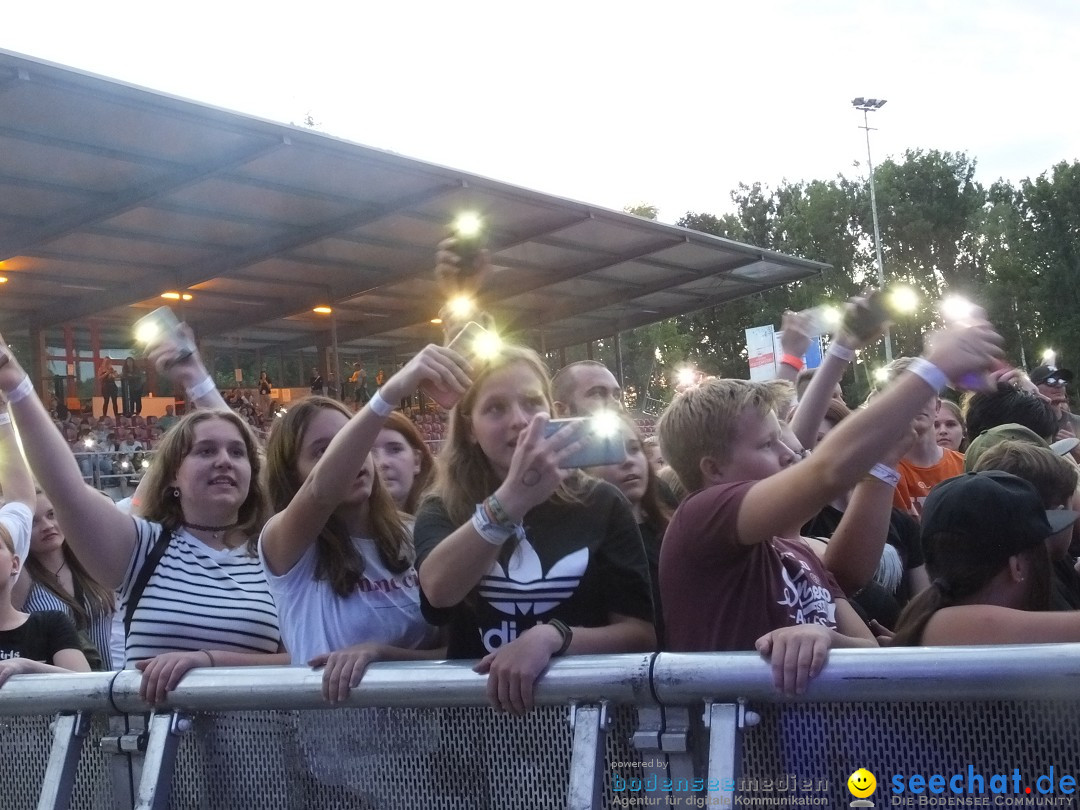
[101, 536]
[862, 324]
[15, 479]
[292, 531]
[189, 372]
[781, 503]
[855, 548]
[456, 564]
[794, 341]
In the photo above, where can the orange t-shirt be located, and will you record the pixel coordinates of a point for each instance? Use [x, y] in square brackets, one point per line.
[916, 482]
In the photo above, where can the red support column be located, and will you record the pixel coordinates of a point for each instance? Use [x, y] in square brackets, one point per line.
[70, 359]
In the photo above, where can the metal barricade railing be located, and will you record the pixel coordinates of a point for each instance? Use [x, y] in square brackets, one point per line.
[645, 730]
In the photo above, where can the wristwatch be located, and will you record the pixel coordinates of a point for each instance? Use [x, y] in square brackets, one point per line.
[564, 631]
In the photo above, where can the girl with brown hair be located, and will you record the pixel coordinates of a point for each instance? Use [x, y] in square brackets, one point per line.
[338, 553]
[201, 508]
[404, 462]
[523, 559]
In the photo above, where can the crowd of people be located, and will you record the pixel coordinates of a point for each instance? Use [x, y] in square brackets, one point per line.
[765, 516]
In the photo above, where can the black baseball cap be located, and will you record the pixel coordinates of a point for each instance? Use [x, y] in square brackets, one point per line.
[1050, 375]
[1000, 511]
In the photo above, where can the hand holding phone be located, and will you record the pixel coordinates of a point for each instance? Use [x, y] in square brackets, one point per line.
[601, 436]
[162, 325]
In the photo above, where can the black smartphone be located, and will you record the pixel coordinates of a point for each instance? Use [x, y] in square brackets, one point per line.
[603, 440]
[866, 321]
[469, 242]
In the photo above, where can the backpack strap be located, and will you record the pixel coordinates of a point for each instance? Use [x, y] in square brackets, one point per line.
[149, 565]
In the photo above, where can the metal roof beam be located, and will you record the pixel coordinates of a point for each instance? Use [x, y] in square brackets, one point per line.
[202, 271]
[116, 204]
[582, 305]
[338, 295]
[492, 297]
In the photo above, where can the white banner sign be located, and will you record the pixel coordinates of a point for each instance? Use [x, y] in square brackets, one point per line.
[761, 352]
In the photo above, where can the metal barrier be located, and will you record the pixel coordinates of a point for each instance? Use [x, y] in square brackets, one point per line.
[644, 730]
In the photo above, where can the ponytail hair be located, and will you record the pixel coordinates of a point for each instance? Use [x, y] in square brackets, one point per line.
[960, 567]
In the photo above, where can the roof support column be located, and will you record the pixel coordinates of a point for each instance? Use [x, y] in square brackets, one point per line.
[38, 365]
[617, 340]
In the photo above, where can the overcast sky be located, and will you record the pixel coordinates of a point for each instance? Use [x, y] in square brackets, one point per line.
[612, 103]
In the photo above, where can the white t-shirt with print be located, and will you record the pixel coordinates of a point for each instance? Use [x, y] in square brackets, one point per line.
[385, 609]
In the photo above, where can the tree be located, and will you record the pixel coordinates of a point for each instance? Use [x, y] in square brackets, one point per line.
[1049, 241]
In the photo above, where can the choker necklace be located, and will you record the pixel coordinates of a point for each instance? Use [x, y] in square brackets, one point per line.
[218, 531]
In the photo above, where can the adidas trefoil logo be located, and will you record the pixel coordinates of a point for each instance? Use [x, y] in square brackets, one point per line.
[523, 588]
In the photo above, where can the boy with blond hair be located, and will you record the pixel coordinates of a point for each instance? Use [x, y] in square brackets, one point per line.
[734, 572]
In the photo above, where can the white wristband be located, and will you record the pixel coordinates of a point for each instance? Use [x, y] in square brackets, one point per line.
[841, 352]
[883, 472]
[491, 532]
[201, 389]
[379, 405]
[21, 391]
[929, 374]
[5, 418]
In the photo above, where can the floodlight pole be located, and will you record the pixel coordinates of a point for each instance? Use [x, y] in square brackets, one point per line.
[867, 106]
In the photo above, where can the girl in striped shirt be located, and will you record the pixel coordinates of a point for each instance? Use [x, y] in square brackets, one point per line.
[204, 600]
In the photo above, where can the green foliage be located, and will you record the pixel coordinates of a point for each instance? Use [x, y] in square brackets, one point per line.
[1014, 250]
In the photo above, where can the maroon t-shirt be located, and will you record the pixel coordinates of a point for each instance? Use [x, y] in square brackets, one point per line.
[718, 595]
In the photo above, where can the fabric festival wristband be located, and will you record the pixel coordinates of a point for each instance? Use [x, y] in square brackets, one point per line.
[5, 418]
[21, 391]
[379, 405]
[498, 513]
[841, 352]
[929, 374]
[793, 361]
[201, 389]
[886, 474]
[496, 535]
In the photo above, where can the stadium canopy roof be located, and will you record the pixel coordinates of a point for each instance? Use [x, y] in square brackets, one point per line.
[111, 195]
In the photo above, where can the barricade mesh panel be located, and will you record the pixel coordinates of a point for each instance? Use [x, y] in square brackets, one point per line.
[831, 741]
[384, 758]
[476, 758]
[24, 755]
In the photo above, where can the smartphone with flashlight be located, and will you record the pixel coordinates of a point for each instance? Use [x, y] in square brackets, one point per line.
[474, 342]
[863, 322]
[469, 241]
[159, 325]
[602, 436]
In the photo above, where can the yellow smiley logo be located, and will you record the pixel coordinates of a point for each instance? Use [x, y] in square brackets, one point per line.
[861, 783]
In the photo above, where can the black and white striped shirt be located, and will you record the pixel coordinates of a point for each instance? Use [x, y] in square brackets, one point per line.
[100, 630]
[198, 598]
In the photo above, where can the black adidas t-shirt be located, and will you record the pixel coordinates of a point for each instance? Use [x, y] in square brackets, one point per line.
[579, 563]
[40, 637]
